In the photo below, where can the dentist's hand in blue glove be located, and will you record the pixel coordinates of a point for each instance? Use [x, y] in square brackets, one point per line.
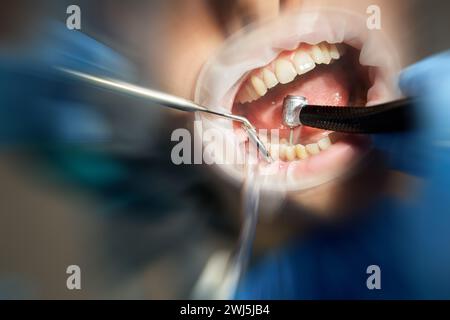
[36, 106]
[408, 240]
[415, 152]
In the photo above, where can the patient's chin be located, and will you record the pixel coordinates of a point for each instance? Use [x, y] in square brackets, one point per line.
[346, 195]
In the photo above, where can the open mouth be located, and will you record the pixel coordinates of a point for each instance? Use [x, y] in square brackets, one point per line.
[326, 74]
[327, 56]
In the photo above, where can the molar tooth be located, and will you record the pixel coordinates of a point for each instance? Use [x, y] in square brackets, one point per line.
[334, 52]
[324, 143]
[285, 71]
[252, 93]
[325, 53]
[300, 151]
[312, 148]
[243, 96]
[303, 62]
[316, 54]
[258, 85]
[274, 151]
[282, 151]
[269, 78]
[290, 153]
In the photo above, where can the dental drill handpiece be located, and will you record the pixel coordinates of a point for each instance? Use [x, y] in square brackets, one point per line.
[392, 116]
[170, 101]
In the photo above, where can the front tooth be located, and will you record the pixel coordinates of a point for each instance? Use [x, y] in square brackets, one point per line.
[326, 54]
[285, 71]
[324, 143]
[269, 78]
[316, 54]
[290, 153]
[259, 86]
[303, 62]
[300, 151]
[312, 148]
[334, 52]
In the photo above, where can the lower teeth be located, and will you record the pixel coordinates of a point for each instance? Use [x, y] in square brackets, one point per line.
[289, 152]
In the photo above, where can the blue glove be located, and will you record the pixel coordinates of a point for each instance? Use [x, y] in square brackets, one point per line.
[429, 80]
[41, 109]
[38, 107]
[408, 241]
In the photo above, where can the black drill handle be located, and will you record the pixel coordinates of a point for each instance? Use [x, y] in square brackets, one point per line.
[393, 116]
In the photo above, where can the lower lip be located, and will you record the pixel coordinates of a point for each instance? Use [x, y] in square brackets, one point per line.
[340, 157]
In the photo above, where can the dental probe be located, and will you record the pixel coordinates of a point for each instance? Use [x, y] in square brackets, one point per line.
[392, 116]
[170, 101]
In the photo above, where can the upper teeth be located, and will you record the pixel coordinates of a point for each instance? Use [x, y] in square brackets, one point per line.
[285, 69]
[270, 80]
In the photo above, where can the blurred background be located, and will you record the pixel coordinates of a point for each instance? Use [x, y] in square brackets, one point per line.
[89, 180]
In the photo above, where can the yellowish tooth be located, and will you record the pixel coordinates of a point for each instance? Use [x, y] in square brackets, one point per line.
[251, 92]
[325, 53]
[316, 54]
[269, 78]
[283, 141]
[285, 71]
[334, 52]
[290, 153]
[300, 151]
[282, 151]
[258, 85]
[240, 97]
[243, 96]
[324, 143]
[312, 148]
[303, 62]
[274, 151]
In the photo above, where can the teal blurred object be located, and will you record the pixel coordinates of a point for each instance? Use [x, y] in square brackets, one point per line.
[38, 107]
[45, 115]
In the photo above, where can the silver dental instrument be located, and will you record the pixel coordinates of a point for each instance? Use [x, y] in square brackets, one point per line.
[292, 105]
[170, 101]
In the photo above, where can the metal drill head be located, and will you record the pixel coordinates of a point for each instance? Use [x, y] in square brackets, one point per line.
[292, 105]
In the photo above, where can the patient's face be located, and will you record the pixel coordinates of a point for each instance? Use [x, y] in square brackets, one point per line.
[331, 52]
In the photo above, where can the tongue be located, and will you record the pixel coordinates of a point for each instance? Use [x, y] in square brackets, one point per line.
[326, 84]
